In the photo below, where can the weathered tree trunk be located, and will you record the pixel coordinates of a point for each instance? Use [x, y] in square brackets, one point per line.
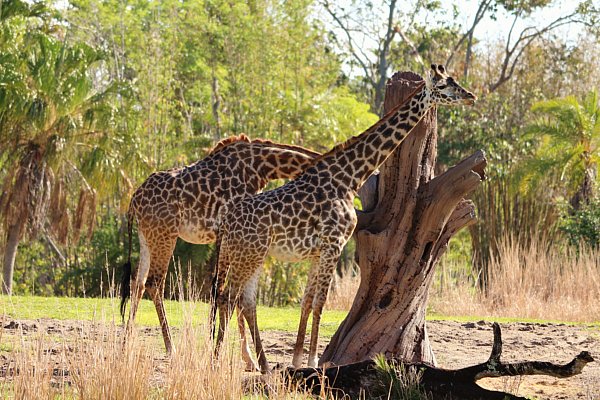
[10, 252]
[400, 240]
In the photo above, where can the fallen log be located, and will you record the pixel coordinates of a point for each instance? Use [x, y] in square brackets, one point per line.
[365, 379]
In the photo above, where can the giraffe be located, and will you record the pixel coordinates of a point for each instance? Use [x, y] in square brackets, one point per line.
[312, 217]
[184, 202]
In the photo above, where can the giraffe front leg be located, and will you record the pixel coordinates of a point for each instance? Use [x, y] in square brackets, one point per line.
[318, 304]
[305, 309]
[299, 347]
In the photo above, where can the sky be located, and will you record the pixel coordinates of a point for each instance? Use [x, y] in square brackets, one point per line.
[490, 30]
[487, 31]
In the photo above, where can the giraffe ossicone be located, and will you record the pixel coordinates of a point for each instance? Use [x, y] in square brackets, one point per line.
[312, 217]
[185, 202]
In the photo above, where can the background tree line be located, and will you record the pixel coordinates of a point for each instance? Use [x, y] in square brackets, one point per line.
[95, 95]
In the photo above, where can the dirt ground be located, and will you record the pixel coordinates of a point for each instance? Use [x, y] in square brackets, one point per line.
[455, 345]
[458, 345]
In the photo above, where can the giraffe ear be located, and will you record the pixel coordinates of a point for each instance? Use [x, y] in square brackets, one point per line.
[429, 77]
[438, 71]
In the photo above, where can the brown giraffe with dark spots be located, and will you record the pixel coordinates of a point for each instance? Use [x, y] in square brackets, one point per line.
[312, 217]
[184, 202]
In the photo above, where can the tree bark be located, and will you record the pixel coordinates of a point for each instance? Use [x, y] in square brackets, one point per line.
[400, 240]
[10, 252]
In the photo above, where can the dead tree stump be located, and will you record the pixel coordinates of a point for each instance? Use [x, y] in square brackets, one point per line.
[400, 239]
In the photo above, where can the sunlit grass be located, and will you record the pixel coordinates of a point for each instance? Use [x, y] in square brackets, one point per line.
[67, 308]
[269, 318]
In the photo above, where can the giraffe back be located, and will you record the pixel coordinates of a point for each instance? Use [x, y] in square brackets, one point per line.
[188, 199]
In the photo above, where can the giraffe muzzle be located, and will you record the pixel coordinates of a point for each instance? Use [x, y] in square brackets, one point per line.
[469, 99]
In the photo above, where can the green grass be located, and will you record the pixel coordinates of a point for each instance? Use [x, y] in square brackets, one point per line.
[269, 319]
[94, 309]
[507, 320]
[6, 347]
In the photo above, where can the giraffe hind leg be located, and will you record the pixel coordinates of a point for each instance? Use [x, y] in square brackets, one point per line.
[155, 289]
[161, 253]
[250, 364]
[248, 305]
[225, 305]
[138, 283]
[305, 310]
[327, 263]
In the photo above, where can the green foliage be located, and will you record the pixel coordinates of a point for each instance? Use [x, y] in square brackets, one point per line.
[568, 137]
[102, 93]
[583, 226]
[107, 92]
[89, 268]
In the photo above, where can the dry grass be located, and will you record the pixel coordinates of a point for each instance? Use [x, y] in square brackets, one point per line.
[92, 363]
[341, 294]
[533, 282]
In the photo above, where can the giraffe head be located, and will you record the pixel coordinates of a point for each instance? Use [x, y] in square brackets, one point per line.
[445, 90]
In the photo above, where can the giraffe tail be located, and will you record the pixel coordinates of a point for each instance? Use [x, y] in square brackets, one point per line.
[214, 292]
[126, 274]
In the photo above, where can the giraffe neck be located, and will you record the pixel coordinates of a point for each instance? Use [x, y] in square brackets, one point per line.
[273, 161]
[354, 161]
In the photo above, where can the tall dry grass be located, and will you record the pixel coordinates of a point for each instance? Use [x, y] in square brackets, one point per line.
[91, 363]
[533, 281]
[342, 292]
[89, 360]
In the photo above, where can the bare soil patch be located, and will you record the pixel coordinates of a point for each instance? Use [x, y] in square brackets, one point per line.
[458, 345]
[455, 344]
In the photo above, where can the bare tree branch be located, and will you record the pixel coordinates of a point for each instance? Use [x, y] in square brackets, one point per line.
[481, 11]
[351, 46]
[413, 49]
[513, 53]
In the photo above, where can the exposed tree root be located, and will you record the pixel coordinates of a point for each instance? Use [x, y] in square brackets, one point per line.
[364, 379]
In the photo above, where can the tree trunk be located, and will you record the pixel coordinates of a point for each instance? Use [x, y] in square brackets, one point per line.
[586, 190]
[10, 252]
[400, 240]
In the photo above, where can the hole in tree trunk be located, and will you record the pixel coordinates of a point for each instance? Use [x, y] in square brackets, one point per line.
[385, 300]
[426, 252]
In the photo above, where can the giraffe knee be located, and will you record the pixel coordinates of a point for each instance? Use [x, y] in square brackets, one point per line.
[319, 301]
[223, 301]
[154, 282]
[136, 286]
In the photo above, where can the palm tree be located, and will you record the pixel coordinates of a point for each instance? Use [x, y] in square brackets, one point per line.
[53, 118]
[569, 147]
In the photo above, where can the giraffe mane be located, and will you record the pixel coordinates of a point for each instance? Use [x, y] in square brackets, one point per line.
[243, 138]
[228, 141]
[344, 145]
